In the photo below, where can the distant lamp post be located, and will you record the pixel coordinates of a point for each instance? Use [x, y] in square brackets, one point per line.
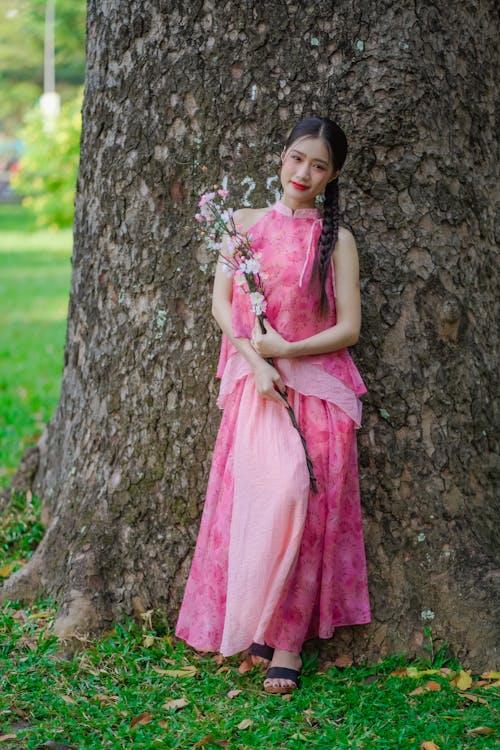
[50, 101]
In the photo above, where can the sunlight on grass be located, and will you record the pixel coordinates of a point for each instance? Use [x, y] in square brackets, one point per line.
[35, 272]
[140, 687]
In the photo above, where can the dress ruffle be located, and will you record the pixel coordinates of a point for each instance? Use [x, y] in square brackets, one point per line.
[306, 375]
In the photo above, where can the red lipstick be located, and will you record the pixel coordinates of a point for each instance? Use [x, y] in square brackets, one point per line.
[297, 186]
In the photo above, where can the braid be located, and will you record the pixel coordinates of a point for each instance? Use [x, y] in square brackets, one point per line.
[327, 241]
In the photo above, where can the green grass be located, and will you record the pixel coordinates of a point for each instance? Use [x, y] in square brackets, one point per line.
[91, 699]
[35, 271]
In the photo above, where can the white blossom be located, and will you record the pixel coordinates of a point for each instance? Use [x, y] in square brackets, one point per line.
[258, 303]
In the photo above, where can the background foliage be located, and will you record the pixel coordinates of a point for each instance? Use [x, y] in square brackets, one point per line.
[21, 75]
[49, 165]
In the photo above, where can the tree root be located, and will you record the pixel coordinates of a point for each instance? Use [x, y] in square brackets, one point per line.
[26, 584]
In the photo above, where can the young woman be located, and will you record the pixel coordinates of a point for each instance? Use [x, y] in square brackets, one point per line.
[276, 563]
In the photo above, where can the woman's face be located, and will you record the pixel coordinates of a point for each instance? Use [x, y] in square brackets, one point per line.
[306, 169]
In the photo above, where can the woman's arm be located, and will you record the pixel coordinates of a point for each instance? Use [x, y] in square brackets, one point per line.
[348, 307]
[267, 378]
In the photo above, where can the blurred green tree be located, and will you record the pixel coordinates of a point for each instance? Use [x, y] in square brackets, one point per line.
[48, 168]
[21, 54]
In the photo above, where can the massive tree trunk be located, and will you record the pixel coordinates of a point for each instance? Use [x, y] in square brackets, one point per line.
[172, 87]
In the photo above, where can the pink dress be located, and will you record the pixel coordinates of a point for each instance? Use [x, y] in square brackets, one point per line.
[275, 562]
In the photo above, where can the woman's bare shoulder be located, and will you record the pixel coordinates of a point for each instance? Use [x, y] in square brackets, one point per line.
[247, 217]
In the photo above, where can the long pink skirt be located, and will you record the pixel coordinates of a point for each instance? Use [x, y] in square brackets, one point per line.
[275, 562]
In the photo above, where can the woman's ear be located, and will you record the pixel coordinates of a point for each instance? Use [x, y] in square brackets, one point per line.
[282, 156]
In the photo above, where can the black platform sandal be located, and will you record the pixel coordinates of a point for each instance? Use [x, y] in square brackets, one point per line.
[284, 673]
[262, 650]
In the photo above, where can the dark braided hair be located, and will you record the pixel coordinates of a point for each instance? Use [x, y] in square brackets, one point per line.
[336, 141]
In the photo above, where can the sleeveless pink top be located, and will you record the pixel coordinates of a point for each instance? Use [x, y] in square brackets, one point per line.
[287, 241]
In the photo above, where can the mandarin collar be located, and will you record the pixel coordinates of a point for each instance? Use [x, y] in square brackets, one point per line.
[299, 213]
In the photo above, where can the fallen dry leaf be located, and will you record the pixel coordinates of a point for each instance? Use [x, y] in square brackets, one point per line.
[176, 704]
[343, 661]
[432, 685]
[189, 671]
[245, 666]
[413, 672]
[204, 740]
[148, 641]
[462, 681]
[233, 693]
[106, 700]
[430, 745]
[429, 686]
[143, 718]
[221, 670]
[480, 730]
[245, 724]
[5, 737]
[69, 699]
[19, 711]
[163, 724]
[159, 670]
[7, 569]
[492, 685]
[473, 698]
[491, 675]
[403, 672]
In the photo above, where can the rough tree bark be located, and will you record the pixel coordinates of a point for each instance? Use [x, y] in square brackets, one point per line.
[122, 468]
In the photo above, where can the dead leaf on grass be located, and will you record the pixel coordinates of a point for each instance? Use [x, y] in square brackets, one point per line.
[430, 745]
[480, 730]
[245, 724]
[176, 704]
[143, 718]
[163, 724]
[204, 740]
[106, 700]
[343, 661]
[245, 666]
[492, 685]
[428, 687]
[7, 569]
[473, 698]
[5, 737]
[233, 693]
[69, 699]
[462, 681]
[19, 711]
[491, 675]
[183, 672]
[221, 670]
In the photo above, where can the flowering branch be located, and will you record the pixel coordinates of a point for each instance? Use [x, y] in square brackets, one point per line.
[242, 261]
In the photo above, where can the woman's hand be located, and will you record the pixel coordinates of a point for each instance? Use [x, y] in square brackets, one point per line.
[268, 382]
[269, 344]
